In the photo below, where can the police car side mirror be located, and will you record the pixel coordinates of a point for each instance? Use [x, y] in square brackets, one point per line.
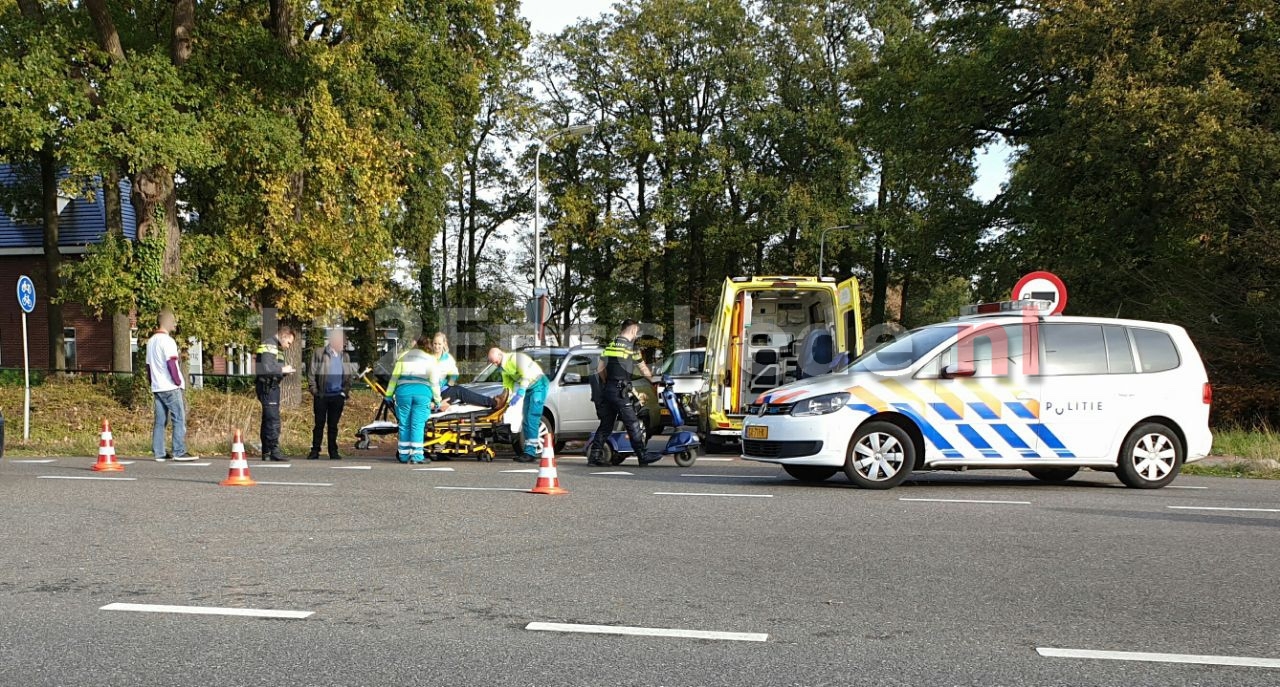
[953, 372]
[571, 378]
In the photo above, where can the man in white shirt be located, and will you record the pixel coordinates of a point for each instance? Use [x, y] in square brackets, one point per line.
[166, 389]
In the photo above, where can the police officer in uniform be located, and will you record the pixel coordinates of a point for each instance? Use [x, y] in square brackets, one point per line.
[613, 402]
[269, 369]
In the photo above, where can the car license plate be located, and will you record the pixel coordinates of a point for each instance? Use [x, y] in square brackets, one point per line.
[758, 432]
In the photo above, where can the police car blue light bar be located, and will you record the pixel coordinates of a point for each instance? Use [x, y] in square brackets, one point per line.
[1000, 307]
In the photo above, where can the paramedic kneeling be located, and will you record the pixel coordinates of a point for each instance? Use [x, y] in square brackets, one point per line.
[523, 378]
[617, 365]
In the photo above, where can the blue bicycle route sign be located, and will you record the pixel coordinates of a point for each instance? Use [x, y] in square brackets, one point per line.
[26, 294]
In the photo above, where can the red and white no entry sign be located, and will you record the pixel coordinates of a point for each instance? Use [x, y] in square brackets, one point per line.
[1044, 286]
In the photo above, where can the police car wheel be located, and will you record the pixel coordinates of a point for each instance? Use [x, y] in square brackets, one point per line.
[1053, 474]
[1150, 458]
[810, 473]
[880, 456]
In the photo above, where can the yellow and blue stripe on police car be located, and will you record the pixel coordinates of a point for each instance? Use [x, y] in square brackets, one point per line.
[982, 424]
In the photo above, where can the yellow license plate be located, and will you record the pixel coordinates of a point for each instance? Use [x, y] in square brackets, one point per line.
[758, 432]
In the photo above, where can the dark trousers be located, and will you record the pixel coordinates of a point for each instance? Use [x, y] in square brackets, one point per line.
[270, 432]
[461, 394]
[616, 405]
[328, 411]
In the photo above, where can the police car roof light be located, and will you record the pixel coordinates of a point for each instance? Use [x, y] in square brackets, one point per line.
[1003, 307]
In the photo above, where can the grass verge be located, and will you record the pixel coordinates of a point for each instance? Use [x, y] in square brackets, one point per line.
[66, 415]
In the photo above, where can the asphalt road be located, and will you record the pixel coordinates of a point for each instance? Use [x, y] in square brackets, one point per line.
[411, 584]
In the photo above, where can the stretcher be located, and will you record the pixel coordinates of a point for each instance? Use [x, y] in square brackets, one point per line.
[463, 431]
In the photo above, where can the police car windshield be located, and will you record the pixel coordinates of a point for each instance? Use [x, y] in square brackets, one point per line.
[903, 350]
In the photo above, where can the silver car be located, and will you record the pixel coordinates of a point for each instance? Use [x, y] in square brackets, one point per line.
[569, 413]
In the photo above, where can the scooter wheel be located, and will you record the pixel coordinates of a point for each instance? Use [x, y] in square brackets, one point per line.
[615, 458]
[685, 459]
[362, 443]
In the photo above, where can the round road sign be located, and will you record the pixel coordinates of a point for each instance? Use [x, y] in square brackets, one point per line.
[26, 294]
[1044, 286]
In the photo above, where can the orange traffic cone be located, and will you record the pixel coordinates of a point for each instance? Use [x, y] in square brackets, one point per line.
[107, 452]
[238, 474]
[548, 479]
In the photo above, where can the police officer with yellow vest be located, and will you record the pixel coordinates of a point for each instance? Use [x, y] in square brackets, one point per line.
[269, 369]
[613, 402]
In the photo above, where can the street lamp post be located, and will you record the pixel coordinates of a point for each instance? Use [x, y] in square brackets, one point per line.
[822, 243]
[538, 290]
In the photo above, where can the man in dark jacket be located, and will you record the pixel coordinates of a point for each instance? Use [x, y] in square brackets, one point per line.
[269, 369]
[330, 376]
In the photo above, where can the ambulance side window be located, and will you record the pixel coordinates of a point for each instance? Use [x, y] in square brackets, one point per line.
[1074, 349]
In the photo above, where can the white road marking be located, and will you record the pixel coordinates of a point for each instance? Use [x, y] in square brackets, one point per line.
[481, 489]
[733, 476]
[42, 460]
[688, 493]
[195, 465]
[126, 462]
[717, 460]
[1179, 486]
[1241, 510]
[272, 465]
[533, 471]
[1245, 661]
[208, 610]
[433, 469]
[105, 479]
[1010, 503]
[350, 467]
[298, 484]
[647, 632]
[618, 472]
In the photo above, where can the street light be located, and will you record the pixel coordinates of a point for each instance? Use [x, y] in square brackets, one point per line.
[822, 243]
[538, 290]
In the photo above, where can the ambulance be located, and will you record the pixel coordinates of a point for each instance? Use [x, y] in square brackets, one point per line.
[1009, 386]
[767, 332]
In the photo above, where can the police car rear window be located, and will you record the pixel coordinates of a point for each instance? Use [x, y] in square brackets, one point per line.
[1156, 350]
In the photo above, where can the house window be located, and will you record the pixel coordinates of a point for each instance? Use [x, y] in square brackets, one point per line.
[69, 346]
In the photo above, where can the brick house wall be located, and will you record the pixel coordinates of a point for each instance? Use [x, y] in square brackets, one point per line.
[93, 336]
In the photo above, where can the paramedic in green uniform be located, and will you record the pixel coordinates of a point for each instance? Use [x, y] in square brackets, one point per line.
[523, 378]
[414, 389]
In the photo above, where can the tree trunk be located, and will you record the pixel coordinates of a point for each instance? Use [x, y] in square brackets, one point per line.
[880, 266]
[121, 353]
[31, 9]
[184, 21]
[902, 303]
[281, 25]
[52, 255]
[108, 36]
[426, 285]
[291, 385]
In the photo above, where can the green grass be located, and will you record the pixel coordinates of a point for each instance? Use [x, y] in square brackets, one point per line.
[1240, 452]
[67, 415]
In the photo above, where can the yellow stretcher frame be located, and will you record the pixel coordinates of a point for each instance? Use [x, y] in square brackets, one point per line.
[469, 437]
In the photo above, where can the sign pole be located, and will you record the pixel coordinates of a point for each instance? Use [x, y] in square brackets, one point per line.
[26, 301]
[26, 377]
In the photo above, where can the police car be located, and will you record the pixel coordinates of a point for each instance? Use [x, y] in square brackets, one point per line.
[1005, 387]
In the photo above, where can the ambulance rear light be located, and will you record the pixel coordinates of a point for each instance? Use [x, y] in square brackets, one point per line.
[1206, 394]
[999, 307]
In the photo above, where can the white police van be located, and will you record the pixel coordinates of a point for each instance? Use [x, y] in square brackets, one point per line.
[1004, 387]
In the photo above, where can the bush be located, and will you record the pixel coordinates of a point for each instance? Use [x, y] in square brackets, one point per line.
[228, 383]
[13, 377]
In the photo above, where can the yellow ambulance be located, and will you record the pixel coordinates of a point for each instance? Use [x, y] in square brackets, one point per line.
[770, 331]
